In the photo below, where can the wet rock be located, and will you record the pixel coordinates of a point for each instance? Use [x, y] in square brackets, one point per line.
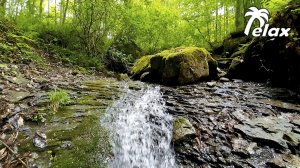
[221, 73]
[40, 143]
[243, 147]
[223, 79]
[17, 80]
[240, 115]
[40, 140]
[289, 107]
[1, 88]
[183, 130]
[15, 96]
[225, 151]
[292, 138]
[16, 121]
[211, 84]
[283, 161]
[269, 130]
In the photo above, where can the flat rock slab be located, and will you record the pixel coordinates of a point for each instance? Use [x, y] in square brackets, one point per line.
[15, 96]
[17, 80]
[274, 131]
[286, 160]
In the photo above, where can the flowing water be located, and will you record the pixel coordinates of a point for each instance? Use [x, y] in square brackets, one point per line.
[141, 130]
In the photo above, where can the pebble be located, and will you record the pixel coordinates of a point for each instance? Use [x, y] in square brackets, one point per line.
[224, 79]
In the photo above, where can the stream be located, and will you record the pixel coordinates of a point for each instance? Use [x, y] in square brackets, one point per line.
[130, 124]
[141, 130]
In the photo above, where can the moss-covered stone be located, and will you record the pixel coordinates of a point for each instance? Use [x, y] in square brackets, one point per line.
[175, 66]
[183, 130]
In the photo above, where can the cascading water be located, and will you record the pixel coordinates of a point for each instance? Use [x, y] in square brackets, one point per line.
[140, 130]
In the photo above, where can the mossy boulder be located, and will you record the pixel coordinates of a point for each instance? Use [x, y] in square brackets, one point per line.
[177, 66]
[183, 130]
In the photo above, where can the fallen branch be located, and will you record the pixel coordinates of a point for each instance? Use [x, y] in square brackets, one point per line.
[15, 154]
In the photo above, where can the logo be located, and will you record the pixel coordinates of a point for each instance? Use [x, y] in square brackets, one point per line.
[262, 15]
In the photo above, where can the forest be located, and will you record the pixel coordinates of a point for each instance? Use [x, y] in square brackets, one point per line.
[95, 30]
[149, 83]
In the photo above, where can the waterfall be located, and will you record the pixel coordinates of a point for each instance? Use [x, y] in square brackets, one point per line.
[140, 130]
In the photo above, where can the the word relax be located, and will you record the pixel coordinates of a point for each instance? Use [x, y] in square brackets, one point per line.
[262, 15]
[273, 32]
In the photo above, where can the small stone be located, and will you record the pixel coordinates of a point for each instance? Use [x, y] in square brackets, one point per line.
[225, 151]
[66, 144]
[223, 79]
[39, 142]
[16, 121]
[17, 109]
[237, 81]
[211, 84]
[34, 155]
[41, 135]
[1, 88]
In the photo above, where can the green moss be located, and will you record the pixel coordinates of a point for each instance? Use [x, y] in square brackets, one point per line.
[141, 64]
[122, 76]
[241, 51]
[89, 100]
[91, 146]
[179, 122]
[176, 55]
[234, 64]
[182, 129]
[179, 65]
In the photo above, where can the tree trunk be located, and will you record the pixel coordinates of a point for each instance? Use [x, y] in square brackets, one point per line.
[238, 15]
[55, 12]
[41, 7]
[216, 24]
[65, 11]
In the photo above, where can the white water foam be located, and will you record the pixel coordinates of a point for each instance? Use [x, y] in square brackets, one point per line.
[140, 130]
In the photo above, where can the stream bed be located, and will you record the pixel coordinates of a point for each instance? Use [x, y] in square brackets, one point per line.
[129, 124]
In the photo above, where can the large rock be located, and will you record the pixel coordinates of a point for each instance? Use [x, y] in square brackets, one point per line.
[177, 66]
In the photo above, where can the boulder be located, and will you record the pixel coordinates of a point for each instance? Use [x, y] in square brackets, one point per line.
[177, 66]
[183, 130]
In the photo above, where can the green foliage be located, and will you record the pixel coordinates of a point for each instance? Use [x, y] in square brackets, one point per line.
[275, 5]
[58, 98]
[39, 118]
[83, 33]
